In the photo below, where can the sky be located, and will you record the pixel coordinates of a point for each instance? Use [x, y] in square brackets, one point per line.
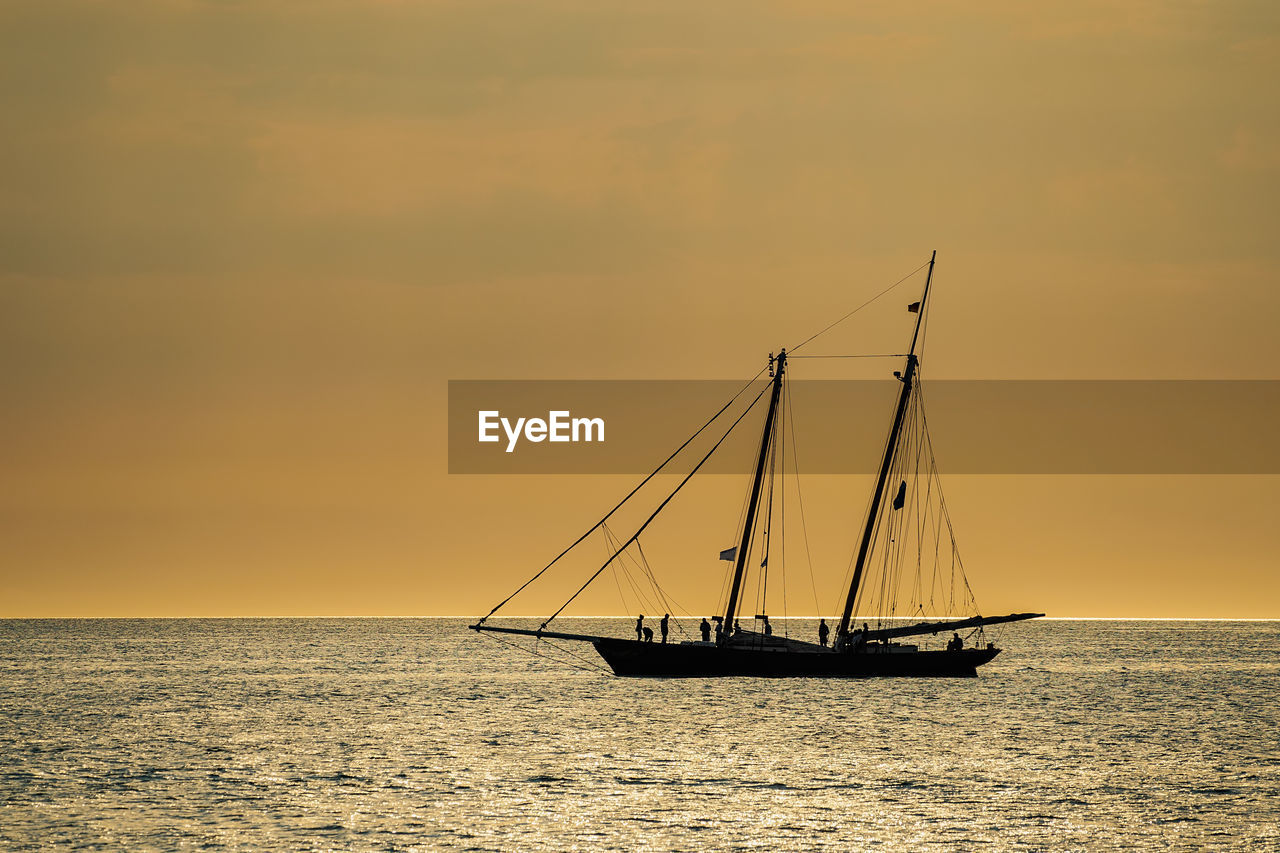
[245, 245]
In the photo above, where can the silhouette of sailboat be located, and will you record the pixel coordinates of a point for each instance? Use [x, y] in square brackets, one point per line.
[856, 651]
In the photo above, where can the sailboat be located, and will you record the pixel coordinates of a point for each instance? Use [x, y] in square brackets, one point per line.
[857, 650]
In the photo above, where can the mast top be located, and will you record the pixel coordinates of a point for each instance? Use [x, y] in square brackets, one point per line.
[923, 303]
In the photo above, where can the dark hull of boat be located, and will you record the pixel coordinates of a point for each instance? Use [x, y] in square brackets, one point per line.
[656, 660]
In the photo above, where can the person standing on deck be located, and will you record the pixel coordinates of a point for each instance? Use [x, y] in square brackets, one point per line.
[823, 632]
[705, 628]
[640, 627]
[663, 625]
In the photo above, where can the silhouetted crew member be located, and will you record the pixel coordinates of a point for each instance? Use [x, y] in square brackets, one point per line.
[823, 632]
[737, 626]
[663, 625]
[768, 629]
[955, 644]
[639, 626]
[648, 634]
[705, 628]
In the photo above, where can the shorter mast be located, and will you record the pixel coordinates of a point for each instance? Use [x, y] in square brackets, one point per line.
[748, 525]
[887, 463]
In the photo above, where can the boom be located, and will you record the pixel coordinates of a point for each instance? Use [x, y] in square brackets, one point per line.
[954, 625]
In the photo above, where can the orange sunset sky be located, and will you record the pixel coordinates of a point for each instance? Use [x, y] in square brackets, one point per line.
[243, 247]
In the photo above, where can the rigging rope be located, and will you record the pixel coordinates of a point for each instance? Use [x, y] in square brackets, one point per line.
[942, 502]
[925, 514]
[766, 534]
[877, 355]
[621, 563]
[804, 528]
[783, 426]
[662, 505]
[630, 494]
[591, 665]
[853, 557]
[859, 308]
[663, 596]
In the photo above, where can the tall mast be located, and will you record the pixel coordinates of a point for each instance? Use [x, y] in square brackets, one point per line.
[740, 568]
[908, 375]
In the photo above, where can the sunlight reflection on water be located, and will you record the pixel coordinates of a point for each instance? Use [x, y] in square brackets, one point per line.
[420, 735]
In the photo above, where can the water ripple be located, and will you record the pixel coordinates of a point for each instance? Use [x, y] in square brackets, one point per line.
[283, 735]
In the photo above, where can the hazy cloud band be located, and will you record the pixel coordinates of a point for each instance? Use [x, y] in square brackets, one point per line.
[838, 427]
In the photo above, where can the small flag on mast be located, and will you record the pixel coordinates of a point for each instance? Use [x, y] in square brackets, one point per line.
[729, 554]
[901, 499]
[914, 307]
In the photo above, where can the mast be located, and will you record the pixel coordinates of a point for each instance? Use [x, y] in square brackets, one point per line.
[748, 526]
[908, 375]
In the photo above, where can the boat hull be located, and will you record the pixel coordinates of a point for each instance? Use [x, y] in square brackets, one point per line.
[697, 660]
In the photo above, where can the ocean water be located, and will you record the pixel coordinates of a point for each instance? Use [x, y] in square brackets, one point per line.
[288, 735]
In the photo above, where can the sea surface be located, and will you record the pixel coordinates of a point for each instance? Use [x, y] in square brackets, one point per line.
[416, 734]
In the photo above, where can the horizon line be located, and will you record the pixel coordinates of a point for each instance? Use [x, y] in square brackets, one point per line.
[565, 618]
